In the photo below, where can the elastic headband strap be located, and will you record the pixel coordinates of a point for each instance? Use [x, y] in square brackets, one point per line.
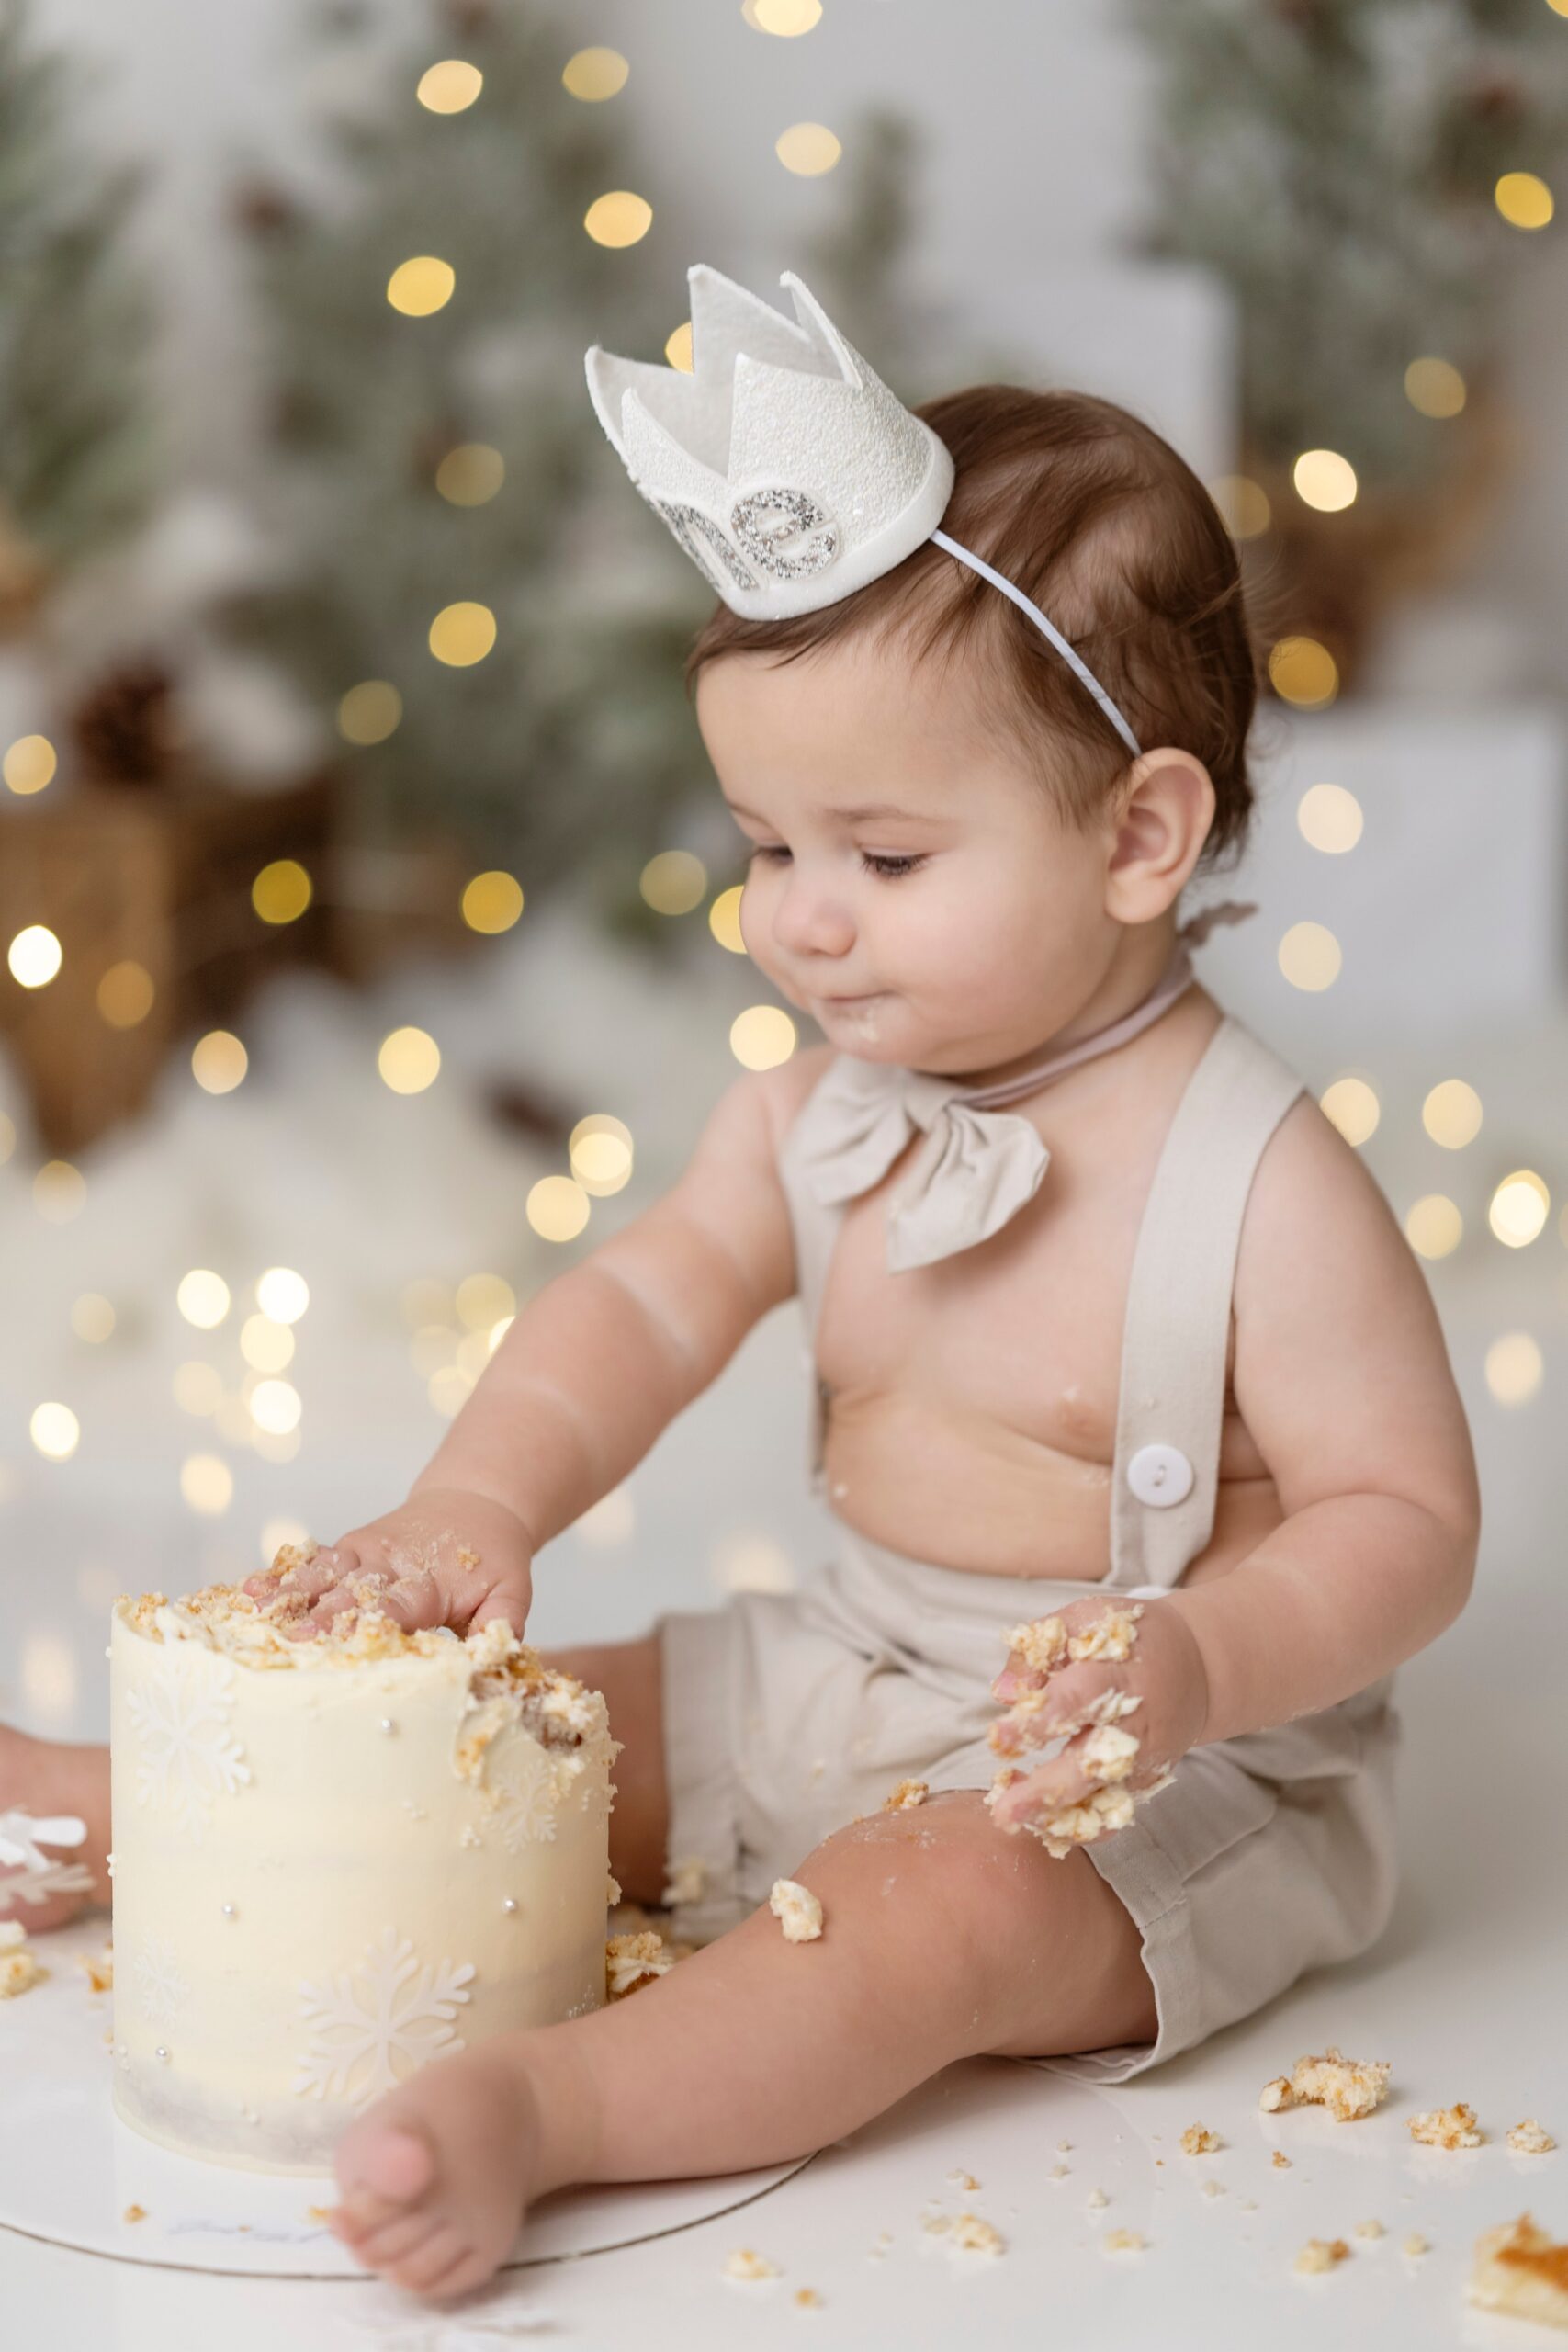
[1057, 640]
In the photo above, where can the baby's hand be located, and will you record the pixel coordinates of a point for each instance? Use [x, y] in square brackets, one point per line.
[1127, 1681]
[447, 1558]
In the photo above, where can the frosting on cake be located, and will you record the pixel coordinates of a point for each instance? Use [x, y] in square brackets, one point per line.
[336, 1859]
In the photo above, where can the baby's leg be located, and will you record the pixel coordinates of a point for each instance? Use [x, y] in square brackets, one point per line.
[44, 1776]
[943, 1938]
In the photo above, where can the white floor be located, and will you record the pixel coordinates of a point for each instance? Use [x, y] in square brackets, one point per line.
[1464, 1995]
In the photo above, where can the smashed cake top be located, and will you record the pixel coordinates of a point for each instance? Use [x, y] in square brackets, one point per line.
[561, 1711]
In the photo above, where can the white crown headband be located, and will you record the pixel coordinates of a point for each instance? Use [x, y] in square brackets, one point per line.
[785, 467]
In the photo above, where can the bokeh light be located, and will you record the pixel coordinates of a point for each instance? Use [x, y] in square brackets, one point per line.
[751, 1563]
[219, 1061]
[203, 1298]
[1524, 200]
[59, 1191]
[8, 1138]
[482, 1299]
[34, 957]
[1304, 673]
[369, 712]
[408, 1062]
[723, 918]
[1353, 1106]
[449, 1389]
[761, 1036]
[93, 1318]
[594, 74]
[1520, 1208]
[281, 891]
[611, 1520]
[29, 764]
[55, 1430]
[1309, 956]
[471, 474]
[618, 219]
[274, 1406]
[556, 1208]
[1433, 1226]
[1451, 1114]
[450, 87]
[198, 1388]
[1514, 1368]
[125, 994]
[1244, 505]
[462, 634]
[208, 1484]
[786, 19]
[674, 882]
[1324, 481]
[492, 903]
[422, 286]
[599, 1149]
[678, 348]
[266, 1346]
[807, 149]
[1434, 387]
[1329, 818]
[282, 1294]
[277, 1533]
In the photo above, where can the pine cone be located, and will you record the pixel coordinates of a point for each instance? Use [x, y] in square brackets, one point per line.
[125, 728]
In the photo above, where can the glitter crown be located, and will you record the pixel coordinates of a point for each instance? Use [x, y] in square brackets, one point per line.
[782, 464]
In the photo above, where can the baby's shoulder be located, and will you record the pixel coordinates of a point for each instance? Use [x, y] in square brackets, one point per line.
[1314, 1203]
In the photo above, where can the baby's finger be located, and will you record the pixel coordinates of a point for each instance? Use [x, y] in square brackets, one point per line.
[415, 1601]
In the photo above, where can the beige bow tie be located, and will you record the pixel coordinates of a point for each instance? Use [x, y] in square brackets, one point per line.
[979, 1163]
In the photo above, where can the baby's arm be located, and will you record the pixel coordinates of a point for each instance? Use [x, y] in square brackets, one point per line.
[1342, 1378]
[595, 1366]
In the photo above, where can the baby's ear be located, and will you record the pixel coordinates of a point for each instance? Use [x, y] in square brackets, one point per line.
[1165, 811]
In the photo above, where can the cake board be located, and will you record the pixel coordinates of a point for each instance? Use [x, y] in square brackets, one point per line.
[69, 2169]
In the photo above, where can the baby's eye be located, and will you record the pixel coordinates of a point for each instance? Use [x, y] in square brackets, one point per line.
[762, 849]
[889, 866]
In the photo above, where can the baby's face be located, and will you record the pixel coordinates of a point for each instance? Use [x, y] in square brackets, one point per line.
[910, 886]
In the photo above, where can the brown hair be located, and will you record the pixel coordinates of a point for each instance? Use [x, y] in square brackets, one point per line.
[1093, 515]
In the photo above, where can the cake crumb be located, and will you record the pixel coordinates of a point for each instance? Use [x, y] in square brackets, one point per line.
[1528, 2139]
[906, 1796]
[1060, 2172]
[964, 2180]
[1322, 2254]
[1280, 2160]
[1198, 2141]
[19, 1965]
[1446, 2127]
[1521, 2271]
[809, 2299]
[1097, 2199]
[320, 2212]
[968, 2232]
[611, 1890]
[1122, 2242]
[1371, 2230]
[688, 1880]
[1276, 2094]
[1212, 2187]
[746, 2263]
[633, 1960]
[134, 2213]
[884, 2240]
[1064, 2146]
[797, 1909]
[1416, 2243]
[100, 1971]
[1346, 2086]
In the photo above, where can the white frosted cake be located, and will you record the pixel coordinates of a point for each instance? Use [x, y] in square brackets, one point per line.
[334, 1859]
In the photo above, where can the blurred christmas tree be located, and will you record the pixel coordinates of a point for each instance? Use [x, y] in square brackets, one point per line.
[496, 622]
[1358, 171]
[78, 449]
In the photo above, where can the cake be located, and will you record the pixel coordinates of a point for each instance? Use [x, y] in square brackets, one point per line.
[334, 1859]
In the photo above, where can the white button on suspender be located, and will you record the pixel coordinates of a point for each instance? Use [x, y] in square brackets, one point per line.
[1161, 1475]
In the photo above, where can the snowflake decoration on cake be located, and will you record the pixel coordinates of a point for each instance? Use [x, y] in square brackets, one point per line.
[161, 1989]
[375, 2025]
[36, 1886]
[527, 1805]
[186, 1751]
[23, 1836]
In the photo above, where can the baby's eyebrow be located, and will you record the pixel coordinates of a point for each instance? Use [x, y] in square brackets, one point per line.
[859, 815]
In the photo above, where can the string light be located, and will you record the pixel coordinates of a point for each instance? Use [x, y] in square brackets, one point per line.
[408, 1062]
[55, 1430]
[282, 1294]
[203, 1298]
[556, 1208]
[594, 74]
[482, 1299]
[1329, 818]
[422, 286]
[29, 764]
[1309, 956]
[1434, 387]
[1520, 1208]
[471, 474]
[274, 1406]
[449, 87]
[281, 891]
[600, 1148]
[198, 1388]
[678, 349]
[266, 1346]
[219, 1061]
[59, 1191]
[1242, 503]
[124, 995]
[1433, 1226]
[492, 903]
[1524, 200]
[369, 712]
[674, 882]
[1324, 481]
[761, 1036]
[807, 149]
[93, 1318]
[785, 19]
[1352, 1106]
[1451, 1114]
[462, 634]
[723, 920]
[1304, 673]
[34, 957]
[1514, 1368]
[208, 1484]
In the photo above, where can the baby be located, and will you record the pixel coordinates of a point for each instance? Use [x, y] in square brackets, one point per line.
[1110, 1324]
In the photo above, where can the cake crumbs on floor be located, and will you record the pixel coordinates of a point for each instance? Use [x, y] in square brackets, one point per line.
[1198, 2141]
[1416, 2243]
[1212, 2187]
[1520, 2272]
[964, 2180]
[809, 2299]
[1528, 2139]
[1097, 2200]
[1322, 2254]
[1371, 2230]
[1122, 2242]
[1346, 2086]
[134, 2213]
[1280, 2160]
[1446, 2127]
[968, 2232]
[747, 2262]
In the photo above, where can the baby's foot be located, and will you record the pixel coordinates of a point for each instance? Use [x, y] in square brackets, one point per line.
[44, 1777]
[435, 2179]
